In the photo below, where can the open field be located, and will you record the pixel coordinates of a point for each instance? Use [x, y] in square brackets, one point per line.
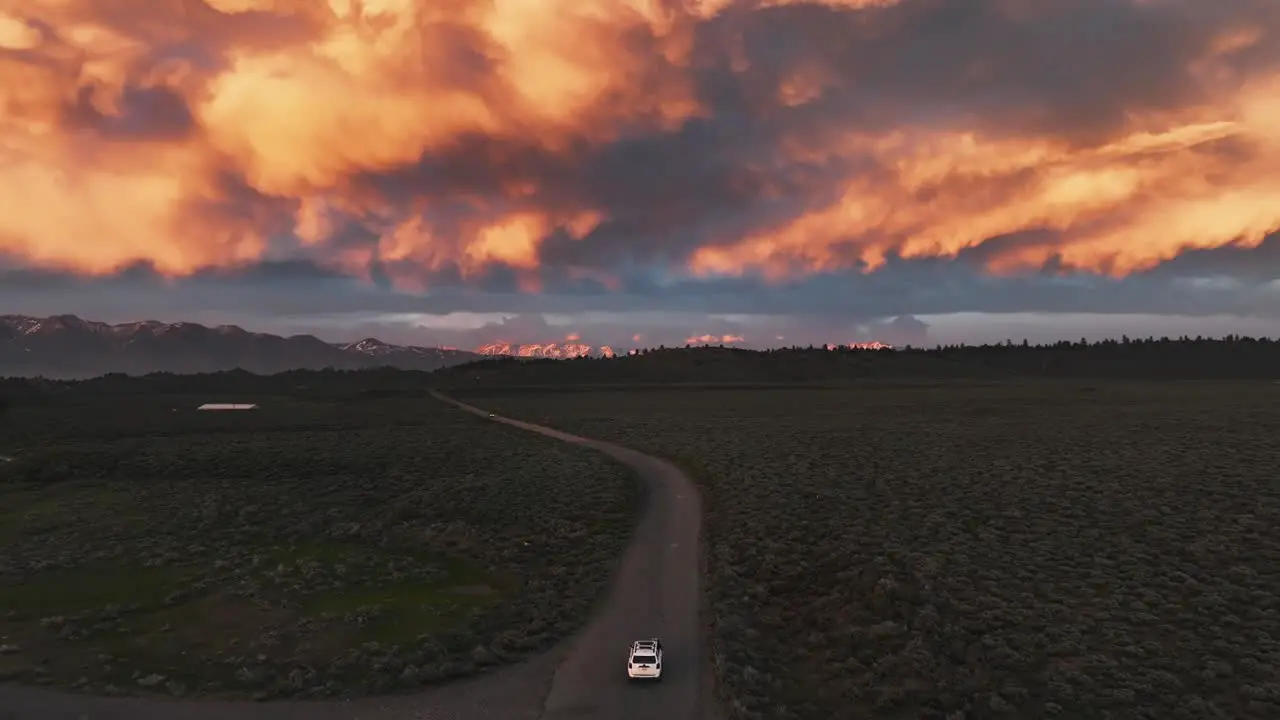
[305, 549]
[1050, 550]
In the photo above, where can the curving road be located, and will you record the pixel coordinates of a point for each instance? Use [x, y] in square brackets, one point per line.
[656, 591]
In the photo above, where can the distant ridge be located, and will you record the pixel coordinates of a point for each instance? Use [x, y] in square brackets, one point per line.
[68, 347]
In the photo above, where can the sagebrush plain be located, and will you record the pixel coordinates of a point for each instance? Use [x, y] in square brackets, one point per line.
[1041, 549]
[304, 549]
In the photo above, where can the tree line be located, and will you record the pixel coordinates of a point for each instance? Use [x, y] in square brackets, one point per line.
[1230, 357]
[1183, 358]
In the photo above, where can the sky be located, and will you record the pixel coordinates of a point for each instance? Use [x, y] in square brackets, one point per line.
[637, 172]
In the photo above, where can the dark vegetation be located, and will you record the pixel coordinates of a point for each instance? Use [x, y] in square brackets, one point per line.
[349, 537]
[959, 549]
[1183, 358]
[955, 533]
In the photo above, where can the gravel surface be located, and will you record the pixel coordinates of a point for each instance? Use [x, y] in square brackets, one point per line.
[656, 592]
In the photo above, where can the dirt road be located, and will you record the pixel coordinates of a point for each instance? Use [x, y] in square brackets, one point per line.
[655, 592]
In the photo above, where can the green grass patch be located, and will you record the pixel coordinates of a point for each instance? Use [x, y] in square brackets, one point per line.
[74, 591]
[313, 551]
[32, 509]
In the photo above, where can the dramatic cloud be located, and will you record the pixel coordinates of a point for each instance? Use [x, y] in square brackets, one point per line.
[846, 159]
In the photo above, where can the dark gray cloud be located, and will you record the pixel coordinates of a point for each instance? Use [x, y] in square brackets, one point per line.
[156, 113]
[1180, 286]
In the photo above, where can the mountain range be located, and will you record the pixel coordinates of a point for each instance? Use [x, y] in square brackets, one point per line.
[68, 347]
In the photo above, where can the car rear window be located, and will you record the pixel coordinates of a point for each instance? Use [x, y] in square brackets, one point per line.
[644, 659]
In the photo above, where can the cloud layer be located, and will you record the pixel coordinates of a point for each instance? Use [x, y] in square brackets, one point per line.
[723, 155]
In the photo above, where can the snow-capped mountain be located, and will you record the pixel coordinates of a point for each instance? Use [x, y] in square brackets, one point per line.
[546, 350]
[66, 346]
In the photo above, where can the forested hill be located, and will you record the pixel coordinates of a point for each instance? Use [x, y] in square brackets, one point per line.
[1186, 358]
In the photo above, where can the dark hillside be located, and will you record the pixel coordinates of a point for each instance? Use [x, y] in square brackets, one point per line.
[1165, 359]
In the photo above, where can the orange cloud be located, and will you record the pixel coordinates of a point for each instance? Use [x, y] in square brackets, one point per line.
[356, 87]
[1119, 207]
[468, 135]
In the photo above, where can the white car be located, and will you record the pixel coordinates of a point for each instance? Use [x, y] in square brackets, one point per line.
[645, 660]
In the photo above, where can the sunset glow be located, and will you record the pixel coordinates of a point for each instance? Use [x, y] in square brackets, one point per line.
[421, 143]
